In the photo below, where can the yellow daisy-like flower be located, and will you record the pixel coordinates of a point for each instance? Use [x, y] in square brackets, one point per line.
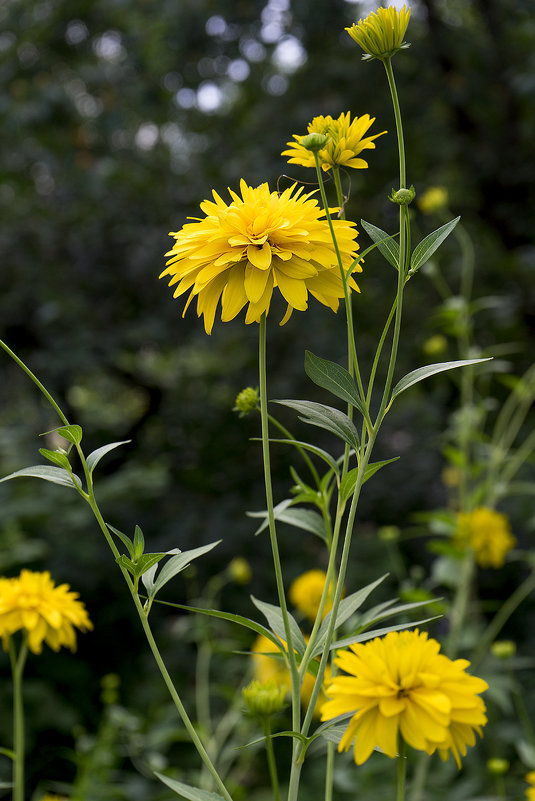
[346, 140]
[269, 667]
[433, 199]
[381, 33]
[530, 791]
[305, 593]
[401, 685]
[488, 533]
[45, 613]
[241, 251]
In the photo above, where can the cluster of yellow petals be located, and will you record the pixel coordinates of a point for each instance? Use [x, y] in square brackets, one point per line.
[400, 685]
[241, 251]
[346, 139]
[269, 666]
[487, 533]
[33, 604]
[381, 33]
[305, 593]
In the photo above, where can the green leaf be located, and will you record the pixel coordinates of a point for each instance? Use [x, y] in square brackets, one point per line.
[56, 457]
[273, 616]
[389, 248]
[348, 483]
[348, 606]
[425, 249]
[139, 544]
[72, 433]
[186, 791]
[335, 378]
[95, 456]
[306, 519]
[330, 460]
[430, 369]
[333, 420]
[176, 564]
[57, 475]
[142, 565]
[11, 755]
[124, 539]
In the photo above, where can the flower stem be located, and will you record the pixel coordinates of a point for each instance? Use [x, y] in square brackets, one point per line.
[460, 604]
[272, 764]
[402, 771]
[17, 669]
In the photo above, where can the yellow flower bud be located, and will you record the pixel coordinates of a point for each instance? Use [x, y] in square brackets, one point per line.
[498, 766]
[240, 571]
[246, 401]
[503, 649]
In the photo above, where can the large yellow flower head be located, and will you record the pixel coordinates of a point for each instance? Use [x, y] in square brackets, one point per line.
[32, 603]
[269, 667]
[305, 593]
[401, 685]
[488, 533]
[346, 140]
[240, 252]
[381, 33]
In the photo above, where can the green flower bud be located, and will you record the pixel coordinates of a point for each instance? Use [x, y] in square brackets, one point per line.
[497, 766]
[389, 533]
[403, 196]
[314, 141]
[240, 571]
[264, 699]
[247, 401]
[503, 649]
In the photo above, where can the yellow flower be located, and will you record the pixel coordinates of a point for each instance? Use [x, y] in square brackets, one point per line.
[381, 33]
[53, 797]
[305, 593]
[401, 684]
[240, 252]
[45, 613]
[345, 141]
[269, 666]
[433, 199]
[530, 791]
[488, 533]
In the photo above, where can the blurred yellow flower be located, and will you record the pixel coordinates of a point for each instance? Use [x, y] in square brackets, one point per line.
[53, 797]
[433, 199]
[530, 791]
[345, 141]
[401, 685]
[45, 613]
[488, 533]
[240, 252]
[305, 593]
[239, 570]
[269, 666]
[381, 33]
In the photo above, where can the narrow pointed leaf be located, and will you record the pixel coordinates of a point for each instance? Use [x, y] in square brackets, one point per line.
[333, 420]
[180, 562]
[72, 433]
[430, 369]
[425, 249]
[139, 543]
[348, 606]
[335, 378]
[306, 519]
[370, 635]
[186, 791]
[56, 457]
[348, 483]
[124, 539]
[273, 616]
[389, 248]
[95, 456]
[330, 460]
[57, 475]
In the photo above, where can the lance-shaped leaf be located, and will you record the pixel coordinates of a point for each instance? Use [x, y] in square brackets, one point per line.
[274, 617]
[389, 247]
[306, 519]
[349, 482]
[59, 458]
[57, 475]
[333, 420]
[175, 565]
[330, 460]
[425, 249]
[95, 456]
[142, 565]
[72, 433]
[186, 791]
[430, 369]
[124, 539]
[335, 378]
[370, 635]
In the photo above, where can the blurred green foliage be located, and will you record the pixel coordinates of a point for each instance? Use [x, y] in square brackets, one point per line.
[117, 119]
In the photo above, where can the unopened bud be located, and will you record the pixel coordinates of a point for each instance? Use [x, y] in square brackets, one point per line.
[314, 141]
[403, 196]
[264, 698]
[503, 649]
[497, 766]
[247, 401]
[240, 571]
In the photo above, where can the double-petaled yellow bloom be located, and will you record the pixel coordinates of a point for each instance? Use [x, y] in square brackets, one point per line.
[381, 33]
[240, 252]
[33, 604]
[400, 685]
[487, 533]
[345, 140]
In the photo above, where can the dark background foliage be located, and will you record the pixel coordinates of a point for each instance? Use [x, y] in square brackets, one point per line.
[117, 120]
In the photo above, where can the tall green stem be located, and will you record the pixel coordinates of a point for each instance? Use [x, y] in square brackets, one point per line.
[17, 669]
[401, 771]
[272, 764]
